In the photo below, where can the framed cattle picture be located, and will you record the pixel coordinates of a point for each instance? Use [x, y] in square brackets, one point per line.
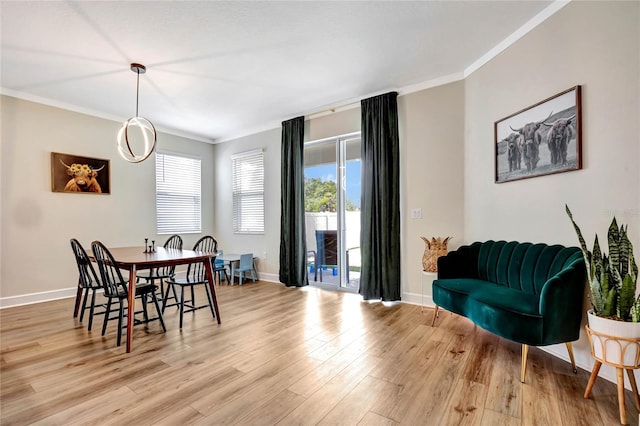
[539, 140]
[77, 174]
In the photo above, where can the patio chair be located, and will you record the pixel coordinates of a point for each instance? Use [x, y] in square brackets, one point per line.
[327, 251]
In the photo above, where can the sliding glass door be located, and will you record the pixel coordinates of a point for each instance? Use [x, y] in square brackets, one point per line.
[332, 204]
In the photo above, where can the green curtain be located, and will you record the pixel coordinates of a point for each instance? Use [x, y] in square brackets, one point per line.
[293, 240]
[380, 202]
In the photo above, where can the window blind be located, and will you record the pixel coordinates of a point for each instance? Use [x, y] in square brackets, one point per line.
[248, 192]
[178, 206]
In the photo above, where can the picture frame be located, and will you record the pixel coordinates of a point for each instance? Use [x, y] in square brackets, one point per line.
[543, 139]
[78, 174]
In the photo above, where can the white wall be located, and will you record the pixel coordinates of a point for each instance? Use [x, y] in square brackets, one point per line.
[266, 247]
[336, 124]
[592, 44]
[37, 262]
[431, 125]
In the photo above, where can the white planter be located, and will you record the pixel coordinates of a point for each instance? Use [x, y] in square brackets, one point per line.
[614, 342]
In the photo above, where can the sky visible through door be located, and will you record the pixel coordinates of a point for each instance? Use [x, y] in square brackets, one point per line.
[328, 172]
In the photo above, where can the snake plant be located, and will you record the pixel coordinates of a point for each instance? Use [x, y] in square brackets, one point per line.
[612, 278]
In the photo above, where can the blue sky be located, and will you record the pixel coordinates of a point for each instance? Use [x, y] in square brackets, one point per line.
[328, 172]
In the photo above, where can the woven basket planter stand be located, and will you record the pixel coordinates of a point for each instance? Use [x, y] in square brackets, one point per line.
[621, 346]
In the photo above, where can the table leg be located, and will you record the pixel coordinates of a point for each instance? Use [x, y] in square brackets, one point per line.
[231, 263]
[209, 271]
[131, 299]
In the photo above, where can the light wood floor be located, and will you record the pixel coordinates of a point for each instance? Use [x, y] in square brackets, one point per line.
[286, 356]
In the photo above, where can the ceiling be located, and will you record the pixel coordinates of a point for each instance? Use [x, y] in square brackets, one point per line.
[220, 70]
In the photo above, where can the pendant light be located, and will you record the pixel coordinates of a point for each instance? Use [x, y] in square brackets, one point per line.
[137, 130]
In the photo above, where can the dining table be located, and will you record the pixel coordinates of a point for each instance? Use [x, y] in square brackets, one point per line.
[133, 259]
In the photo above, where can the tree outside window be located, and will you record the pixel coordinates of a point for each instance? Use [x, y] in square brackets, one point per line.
[321, 196]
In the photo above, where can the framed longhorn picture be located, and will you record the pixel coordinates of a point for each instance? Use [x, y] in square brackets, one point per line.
[77, 174]
[539, 140]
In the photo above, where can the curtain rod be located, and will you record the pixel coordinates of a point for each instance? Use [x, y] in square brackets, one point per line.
[333, 109]
[401, 92]
[348, 105]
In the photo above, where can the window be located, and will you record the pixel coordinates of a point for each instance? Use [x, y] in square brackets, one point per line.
[177, 193]
[248, 192]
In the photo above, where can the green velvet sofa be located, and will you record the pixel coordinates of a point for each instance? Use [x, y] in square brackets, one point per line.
[528, 293]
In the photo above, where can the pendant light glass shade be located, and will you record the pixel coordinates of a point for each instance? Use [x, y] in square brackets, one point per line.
[137, 136]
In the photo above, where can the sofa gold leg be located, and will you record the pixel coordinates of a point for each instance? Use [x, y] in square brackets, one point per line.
[573, 360]
[435, 315]
[523, 370]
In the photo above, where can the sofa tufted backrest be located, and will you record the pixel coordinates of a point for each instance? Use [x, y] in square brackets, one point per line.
[523, 266]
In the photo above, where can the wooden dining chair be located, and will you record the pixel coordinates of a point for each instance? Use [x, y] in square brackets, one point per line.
[88, 282]
[115, 288]
[164, 273]
[196, 275]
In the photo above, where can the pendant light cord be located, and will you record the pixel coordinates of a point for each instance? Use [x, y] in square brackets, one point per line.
[137, 90]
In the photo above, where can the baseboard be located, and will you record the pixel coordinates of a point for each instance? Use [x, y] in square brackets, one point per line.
[29, 299]
[273, 278]
[418, 299]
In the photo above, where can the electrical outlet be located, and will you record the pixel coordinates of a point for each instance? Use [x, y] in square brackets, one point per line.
[416, 213]
[264, 255]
